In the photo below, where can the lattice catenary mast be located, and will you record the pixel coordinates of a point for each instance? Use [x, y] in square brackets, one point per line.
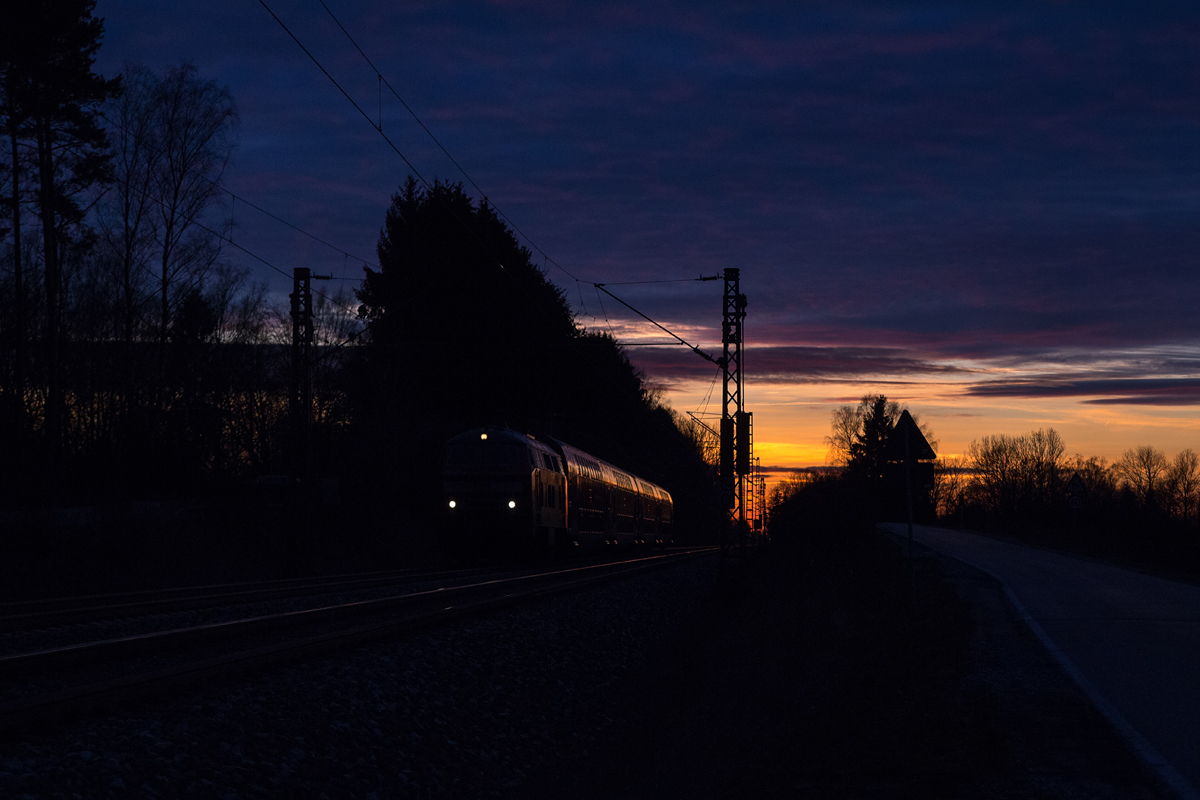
[736, 434]
[300, 394]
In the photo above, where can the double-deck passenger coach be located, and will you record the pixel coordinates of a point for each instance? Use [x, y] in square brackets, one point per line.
[505, 489]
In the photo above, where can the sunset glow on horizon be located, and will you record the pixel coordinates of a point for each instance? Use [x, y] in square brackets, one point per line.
[792, 416]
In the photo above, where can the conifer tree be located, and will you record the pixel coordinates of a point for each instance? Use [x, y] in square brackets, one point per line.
[51, 93]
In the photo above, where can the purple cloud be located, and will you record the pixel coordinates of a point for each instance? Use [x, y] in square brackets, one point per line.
[1123, 391]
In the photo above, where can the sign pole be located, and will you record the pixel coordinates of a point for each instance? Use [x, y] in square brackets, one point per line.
[912, 574]
[913, 448]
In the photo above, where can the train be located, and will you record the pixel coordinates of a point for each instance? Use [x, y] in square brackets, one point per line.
[505, 490]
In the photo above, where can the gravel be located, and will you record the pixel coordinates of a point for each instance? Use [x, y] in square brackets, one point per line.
[469, 710]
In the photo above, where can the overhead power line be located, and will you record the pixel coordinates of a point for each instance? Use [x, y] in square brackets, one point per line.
[384, 82]
[242, 199]
[345, 94]
[695, 349]
[298, 229]
[379, 129]
[261, 260]
[149, 196]
[668, 280]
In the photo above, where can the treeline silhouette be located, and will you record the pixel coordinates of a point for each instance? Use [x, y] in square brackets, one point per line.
[1142, 510]
[144, 377]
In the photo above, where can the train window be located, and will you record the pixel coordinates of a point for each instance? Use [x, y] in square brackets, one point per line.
[481, 455]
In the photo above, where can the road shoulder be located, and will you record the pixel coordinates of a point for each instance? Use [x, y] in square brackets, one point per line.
[1059, 744]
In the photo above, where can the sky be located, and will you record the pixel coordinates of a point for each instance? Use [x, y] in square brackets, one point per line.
[989, 212]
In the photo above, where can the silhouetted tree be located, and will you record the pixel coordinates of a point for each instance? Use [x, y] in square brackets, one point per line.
[851, 441]
[1041, 464]
[1141, 470]
[868, 450]
[1182, 484]
[460, 319]
[859, 441]
[1018, 474]
[950, 486]
[1095, 472]
[845, 425]
[128, 215]
[193, 129]
[51, 95]
[13, 58]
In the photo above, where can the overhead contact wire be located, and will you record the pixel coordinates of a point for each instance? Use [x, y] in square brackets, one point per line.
[442, 147]
[146, 194]
[240, 198]
[694, 348]
[404, 158]
[345, 94]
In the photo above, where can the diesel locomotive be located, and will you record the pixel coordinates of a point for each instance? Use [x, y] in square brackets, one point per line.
[504, 489]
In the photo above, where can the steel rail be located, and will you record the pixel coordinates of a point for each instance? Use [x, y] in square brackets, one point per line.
[35, 614]
[308, 631]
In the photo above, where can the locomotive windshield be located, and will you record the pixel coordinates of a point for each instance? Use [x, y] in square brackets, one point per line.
[468, 456]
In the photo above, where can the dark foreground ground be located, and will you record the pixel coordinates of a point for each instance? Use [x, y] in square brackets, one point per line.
[802, 675]
[806, 675]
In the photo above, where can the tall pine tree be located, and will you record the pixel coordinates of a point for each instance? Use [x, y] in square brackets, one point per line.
[51, 95]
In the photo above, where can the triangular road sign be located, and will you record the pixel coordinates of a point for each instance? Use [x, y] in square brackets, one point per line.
[918, 446]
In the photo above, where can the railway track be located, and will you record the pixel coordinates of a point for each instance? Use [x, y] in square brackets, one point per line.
[52, 684]
[35, 614]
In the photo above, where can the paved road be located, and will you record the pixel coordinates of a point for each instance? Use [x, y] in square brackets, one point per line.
[1134, 638]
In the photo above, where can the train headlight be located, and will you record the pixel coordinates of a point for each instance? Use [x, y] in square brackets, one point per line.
[512, 503]
[453, 504]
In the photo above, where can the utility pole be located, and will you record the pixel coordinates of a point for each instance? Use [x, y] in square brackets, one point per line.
[735, 422]
[300, 394]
